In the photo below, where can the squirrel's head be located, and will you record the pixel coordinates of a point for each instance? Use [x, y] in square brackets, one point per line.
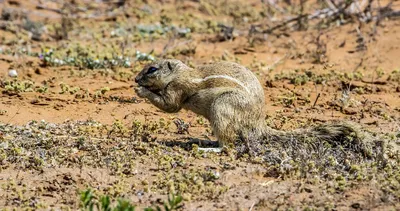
[157, 75]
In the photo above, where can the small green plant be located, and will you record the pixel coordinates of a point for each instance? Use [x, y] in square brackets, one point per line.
[18, 86]
[174, 203]
[90, 202]
[288, 100]
[67, 89]
[42, 89]
[104, 90]
[394, 76]
[83, 59]
[101, 92]
[87, 199]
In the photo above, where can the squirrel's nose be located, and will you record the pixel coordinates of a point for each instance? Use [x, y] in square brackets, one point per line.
[137, 79]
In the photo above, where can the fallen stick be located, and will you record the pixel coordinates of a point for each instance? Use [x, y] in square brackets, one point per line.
[316, 99]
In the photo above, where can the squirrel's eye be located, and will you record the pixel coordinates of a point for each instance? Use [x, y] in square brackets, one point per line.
[151, 70]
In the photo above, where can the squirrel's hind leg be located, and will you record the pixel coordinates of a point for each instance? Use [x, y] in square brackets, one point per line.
[228, 112]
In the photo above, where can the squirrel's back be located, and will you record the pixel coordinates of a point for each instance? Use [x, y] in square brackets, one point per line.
[236, 74]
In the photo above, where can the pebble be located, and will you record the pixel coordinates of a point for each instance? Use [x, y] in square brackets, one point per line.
[13, 73]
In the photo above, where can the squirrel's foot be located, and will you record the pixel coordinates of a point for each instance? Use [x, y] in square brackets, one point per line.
[216, 150]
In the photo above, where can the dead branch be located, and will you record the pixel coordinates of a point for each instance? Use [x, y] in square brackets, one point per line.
[344, 9]
[268, 31]
[42, 7]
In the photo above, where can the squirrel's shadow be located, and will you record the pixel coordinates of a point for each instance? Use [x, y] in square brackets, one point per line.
[187, 143]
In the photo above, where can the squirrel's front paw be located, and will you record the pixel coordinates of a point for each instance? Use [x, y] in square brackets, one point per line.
[142, 91]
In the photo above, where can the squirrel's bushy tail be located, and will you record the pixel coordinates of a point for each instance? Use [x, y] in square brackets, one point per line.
[344, 135]
[333, 138]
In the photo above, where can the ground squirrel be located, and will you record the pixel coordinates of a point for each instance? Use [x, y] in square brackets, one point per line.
[227, 94]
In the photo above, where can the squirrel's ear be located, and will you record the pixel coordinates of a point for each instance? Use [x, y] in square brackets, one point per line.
[169, 66]
[173, 64]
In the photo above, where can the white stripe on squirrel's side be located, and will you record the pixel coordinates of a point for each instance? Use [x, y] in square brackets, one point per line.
[199, 80]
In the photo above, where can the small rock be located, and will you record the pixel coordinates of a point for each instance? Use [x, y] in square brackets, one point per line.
[350, 111]
[356, 205]
[38, 71]
[12, 73]
[140, 193]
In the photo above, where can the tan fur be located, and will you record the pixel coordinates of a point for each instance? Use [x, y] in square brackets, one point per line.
[227, 94]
